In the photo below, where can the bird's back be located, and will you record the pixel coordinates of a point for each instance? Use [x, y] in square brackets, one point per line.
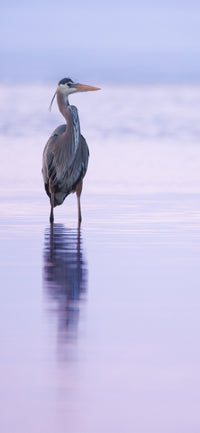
[65, 159]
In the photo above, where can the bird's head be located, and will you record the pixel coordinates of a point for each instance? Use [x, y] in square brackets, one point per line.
[66, 86]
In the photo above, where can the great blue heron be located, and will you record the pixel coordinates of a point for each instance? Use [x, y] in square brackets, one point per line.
[65, 156]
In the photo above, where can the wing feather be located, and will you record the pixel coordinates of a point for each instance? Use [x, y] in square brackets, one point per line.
[65, 159]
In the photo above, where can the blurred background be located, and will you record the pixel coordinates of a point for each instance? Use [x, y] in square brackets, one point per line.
[130, 41]
[100, 327]
[145, 57]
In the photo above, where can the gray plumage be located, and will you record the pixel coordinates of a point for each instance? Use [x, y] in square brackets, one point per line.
[65, 165]
[66, 154]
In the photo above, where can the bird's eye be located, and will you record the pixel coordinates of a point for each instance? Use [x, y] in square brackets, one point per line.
[69, 84]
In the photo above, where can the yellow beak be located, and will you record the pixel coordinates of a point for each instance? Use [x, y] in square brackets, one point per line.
[84, 87]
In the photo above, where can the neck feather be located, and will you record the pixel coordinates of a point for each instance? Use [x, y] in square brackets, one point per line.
[63, 103]
[70, 114]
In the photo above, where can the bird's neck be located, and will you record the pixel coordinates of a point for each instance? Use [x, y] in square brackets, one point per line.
[63, 103]
[70, 114]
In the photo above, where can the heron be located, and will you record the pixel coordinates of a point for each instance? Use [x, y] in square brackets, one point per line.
[66, 154]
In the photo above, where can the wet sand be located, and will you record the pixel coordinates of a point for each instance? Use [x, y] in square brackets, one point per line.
[100, 327]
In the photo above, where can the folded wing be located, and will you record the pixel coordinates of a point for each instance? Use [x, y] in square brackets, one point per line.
[65, 158]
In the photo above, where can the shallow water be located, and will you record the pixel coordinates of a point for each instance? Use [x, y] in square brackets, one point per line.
[100, 326]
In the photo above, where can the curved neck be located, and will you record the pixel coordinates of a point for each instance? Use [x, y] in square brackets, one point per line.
[70, 113]
[63, 103]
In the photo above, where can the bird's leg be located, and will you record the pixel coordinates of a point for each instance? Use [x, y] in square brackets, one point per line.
[78, 194]
[52, 205]
[79, 209]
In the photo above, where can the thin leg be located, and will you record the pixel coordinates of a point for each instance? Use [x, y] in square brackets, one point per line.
[79, 209]
[52, 203]
[78, 193]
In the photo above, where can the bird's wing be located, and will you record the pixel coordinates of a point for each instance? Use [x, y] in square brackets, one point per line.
[65, 161]
[48, 162]
[58, 131]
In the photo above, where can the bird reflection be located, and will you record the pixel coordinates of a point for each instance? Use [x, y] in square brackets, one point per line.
[64, 276]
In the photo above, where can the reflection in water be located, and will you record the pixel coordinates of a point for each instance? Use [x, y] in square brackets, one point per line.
[64, 276]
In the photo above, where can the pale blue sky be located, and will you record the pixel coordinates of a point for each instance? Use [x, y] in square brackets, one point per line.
[129, 41]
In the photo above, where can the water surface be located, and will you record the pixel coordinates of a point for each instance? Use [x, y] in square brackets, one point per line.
[100, 326]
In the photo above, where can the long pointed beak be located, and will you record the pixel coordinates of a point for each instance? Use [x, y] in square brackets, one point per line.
[84, 87]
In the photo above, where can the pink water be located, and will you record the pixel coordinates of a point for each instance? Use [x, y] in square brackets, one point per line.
[100, 327]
